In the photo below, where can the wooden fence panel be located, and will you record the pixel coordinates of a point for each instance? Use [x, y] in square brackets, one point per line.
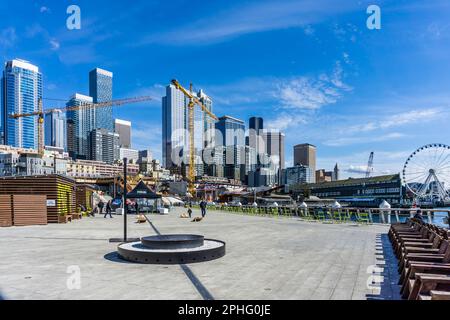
[29, 210]
[6, 216]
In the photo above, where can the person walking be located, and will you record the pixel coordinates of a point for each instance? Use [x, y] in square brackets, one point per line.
[203, 208]
[100, 207]
[136, 207]
[108, 209]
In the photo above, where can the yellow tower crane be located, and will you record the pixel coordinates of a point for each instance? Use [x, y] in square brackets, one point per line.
[41, 113]
[193, 100]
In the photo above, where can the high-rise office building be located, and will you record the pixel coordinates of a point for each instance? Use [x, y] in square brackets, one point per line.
[274, 147]
[55, 129]
[101, 90]
[104, 146]
[123, 129]
[21, 88]
[175, 135]
[79, 125]
[232, 132]
[305, 154]
[256, 125]
[298, 175]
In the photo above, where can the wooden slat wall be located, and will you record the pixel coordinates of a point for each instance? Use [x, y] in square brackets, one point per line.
[6, 217]
[29, 210]
[49, 186]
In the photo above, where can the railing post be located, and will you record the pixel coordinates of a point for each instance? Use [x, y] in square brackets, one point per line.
[389, 216]
[397, 216]
[370, 216]
[383, 220]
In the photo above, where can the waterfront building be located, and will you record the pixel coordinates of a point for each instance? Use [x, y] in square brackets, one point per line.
[104, 146]
[298, 175]
[21, 88]
[98, 169]
[55, 129]
[356, 192]
[26, 162]
[131, 154]
[305, 154]
[323, 176]
[79, 125]
[123, 129]
[101, 90]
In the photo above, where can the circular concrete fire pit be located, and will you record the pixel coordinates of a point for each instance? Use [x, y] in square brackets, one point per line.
[172, 249]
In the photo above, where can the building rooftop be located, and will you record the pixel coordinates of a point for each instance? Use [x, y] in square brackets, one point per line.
[352, 181]
[267, 258]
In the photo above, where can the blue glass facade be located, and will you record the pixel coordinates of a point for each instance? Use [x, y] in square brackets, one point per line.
[232, 132]
[101, 90]
[55, 130]
[83, 123]
[21, 91]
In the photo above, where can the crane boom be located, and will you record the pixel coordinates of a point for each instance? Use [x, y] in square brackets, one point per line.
[41, 113]
[111, 103]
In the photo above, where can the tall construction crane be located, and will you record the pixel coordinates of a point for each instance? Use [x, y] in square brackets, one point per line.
[370, 165]
[41, 113]
[193, 100]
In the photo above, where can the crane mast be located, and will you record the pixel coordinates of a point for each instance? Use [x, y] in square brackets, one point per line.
[193, 101]
[370, 165]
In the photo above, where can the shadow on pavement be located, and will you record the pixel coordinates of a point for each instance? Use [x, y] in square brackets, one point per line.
[387, 262]
[114, 257]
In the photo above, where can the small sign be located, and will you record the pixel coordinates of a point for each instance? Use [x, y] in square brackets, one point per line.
[51, 203]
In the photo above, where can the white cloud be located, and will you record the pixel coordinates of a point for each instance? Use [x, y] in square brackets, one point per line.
[8, 37]
[313, 93]
[345, 141]
[44, 9]
[396, 120]
[55, 45]
[285, 121]
[251, 18]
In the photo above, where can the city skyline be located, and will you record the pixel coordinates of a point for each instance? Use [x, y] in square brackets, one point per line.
[339, 86]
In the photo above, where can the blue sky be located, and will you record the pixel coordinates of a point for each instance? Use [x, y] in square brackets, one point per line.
[310, 68]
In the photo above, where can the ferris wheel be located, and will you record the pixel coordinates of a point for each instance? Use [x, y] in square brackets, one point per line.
[426, 173]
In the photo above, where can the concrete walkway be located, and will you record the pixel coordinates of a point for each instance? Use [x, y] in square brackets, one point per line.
[267, 258]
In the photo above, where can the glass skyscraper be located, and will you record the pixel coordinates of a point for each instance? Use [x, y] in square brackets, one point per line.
[101, 90]
[55, 129]
[175, 127]
[232, 132]
[82, 122]
[21, 90]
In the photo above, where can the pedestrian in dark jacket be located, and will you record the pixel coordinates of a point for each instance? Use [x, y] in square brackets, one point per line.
[100, 207]
[108, 209]
[203, 208]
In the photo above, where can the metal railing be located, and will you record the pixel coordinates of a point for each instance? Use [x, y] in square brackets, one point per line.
[337, 215]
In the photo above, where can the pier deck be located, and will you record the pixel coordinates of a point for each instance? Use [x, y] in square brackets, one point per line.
[267, 258]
